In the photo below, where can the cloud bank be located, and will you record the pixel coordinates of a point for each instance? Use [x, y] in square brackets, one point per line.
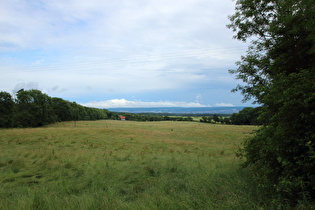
[123, 103]
[224, 105]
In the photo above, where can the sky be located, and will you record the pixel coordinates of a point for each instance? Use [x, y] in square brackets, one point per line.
[122, 53]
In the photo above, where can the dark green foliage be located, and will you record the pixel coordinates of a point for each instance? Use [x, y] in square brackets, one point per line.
[6, 110]
[61, 109]
[206, 119]
[279, 73]
[225, 119]
[216, 118]
[247, 116]
[33, 108]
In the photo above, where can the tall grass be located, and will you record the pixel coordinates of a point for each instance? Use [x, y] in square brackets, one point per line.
[125, 165]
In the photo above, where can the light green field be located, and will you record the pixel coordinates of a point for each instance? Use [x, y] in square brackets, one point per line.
[125, 165]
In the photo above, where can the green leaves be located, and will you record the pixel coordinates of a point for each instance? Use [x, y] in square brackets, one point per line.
[252, 18]
[279, 73]
[6, 109]
[32, 108]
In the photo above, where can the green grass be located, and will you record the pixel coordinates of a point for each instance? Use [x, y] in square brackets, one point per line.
[125, 165]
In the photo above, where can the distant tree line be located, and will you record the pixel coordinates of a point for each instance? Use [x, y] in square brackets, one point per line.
[216, 119]
[184, 114]
[154, 117]
[32, 108]
[247, 116]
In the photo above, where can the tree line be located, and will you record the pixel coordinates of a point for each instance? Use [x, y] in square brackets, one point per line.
[154, 117]
[216, 119]
[247, 116]
[32, 108]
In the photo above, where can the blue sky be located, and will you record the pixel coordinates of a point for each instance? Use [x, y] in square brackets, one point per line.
[122, 53]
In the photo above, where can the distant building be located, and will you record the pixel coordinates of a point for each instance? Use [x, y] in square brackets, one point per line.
[122, 117]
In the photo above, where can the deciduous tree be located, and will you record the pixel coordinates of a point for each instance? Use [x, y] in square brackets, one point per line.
[279, 73]
[6, 109]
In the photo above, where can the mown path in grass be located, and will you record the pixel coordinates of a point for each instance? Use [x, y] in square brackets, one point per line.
[125, 165]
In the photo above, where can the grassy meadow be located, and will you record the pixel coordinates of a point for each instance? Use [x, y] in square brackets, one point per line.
[125, 165]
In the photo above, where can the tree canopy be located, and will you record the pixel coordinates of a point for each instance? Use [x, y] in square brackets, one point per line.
[32, 108]
[279, 74]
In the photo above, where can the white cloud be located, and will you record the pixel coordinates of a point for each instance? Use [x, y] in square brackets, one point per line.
[123, 103]
[224, 104]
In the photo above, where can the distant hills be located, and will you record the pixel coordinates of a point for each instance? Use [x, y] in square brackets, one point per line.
[180, 110]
